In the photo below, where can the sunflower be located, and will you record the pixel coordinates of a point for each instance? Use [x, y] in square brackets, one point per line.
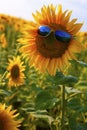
[15, 74]
[3, 40]
[50, 40]
[7, 118]
[2, 27]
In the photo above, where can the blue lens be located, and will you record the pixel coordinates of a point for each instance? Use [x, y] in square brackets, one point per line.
[44, 30]
[62, 36]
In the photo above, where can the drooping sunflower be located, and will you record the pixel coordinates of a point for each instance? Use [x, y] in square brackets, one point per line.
[8, 119]
[15, 75]
[50, 40]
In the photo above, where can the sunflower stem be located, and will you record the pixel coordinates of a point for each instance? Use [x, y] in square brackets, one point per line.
[63, 107]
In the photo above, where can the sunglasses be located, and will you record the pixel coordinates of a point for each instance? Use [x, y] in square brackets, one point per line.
[60, 35]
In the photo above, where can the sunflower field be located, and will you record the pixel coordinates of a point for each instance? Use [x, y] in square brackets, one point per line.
[43, 72]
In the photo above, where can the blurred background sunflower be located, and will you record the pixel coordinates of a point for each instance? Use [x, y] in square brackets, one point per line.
[15, 74]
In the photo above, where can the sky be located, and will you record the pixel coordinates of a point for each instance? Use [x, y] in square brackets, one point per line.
[25, 8]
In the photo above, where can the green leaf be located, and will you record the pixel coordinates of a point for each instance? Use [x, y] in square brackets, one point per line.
[60, 79]
[4, 92]
[70, 90]
[72, 123]
[82, 83]
[79, 62]
[69, 79]
[42, 114]
[74, 104]
[28, 107]
[82, 63]
[45, 100]
[84, 126]
[76, 126]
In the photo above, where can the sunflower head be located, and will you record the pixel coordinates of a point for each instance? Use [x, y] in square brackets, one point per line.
[8, 119]
[15, 74]
[2, 27]
[50, 41]
[3, 41]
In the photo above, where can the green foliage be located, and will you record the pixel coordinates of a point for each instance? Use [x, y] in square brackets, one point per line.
[45, 100]
[60, 79]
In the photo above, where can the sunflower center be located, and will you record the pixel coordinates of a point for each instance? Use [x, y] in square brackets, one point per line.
[1, 125]
[15, 72]
[51, 47]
